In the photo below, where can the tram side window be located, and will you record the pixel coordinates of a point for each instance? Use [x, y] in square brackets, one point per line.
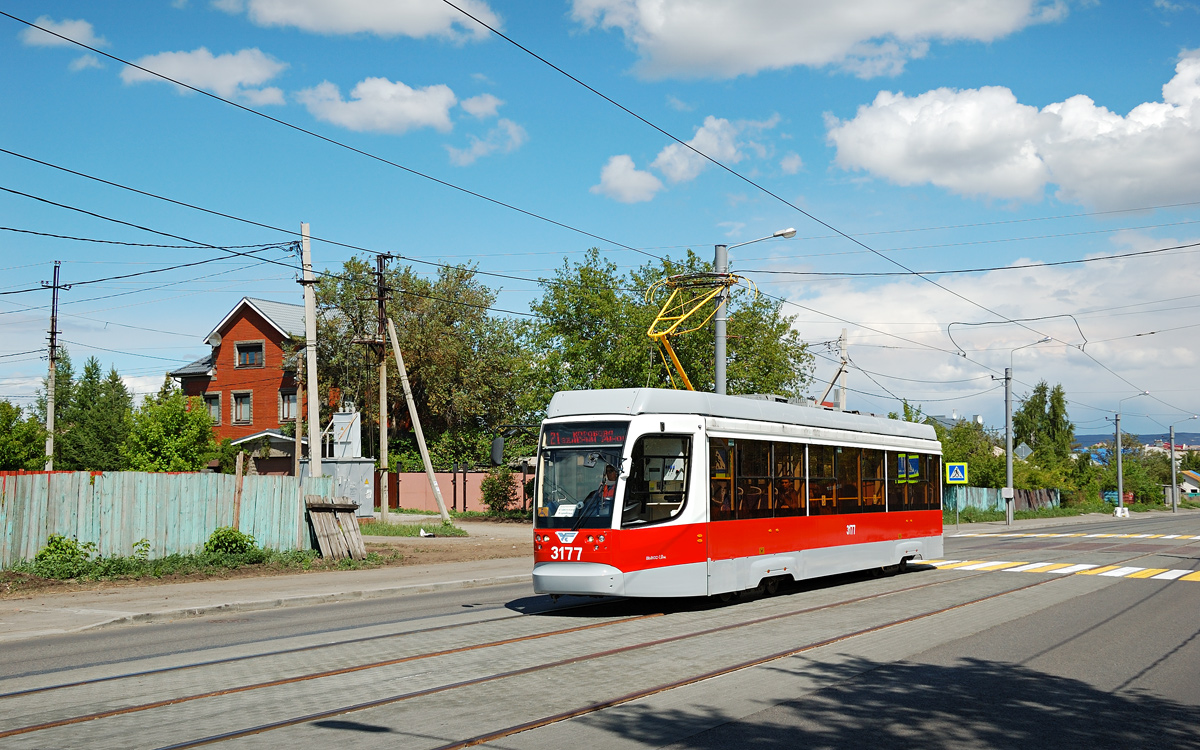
[821, 480]
[913, 481]
[872, 481]
[789, 479]
[658, 479]
[752, 494]
[720, 465]
[846, 467]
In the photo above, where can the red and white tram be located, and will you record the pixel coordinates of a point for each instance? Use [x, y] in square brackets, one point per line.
[650, 492]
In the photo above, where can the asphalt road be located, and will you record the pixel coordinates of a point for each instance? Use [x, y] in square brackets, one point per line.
[1002, 654]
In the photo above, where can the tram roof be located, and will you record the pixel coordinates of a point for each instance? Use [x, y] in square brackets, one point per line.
[634, 401]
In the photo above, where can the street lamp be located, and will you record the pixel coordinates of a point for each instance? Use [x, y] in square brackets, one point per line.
[1120, 472]
[1174, 482]
[721, 265]
[1008, 432]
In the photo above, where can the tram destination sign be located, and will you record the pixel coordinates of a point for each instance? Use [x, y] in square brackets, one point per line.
[593, 434]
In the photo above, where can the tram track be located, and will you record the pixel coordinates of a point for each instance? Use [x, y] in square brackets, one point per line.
[397, 698]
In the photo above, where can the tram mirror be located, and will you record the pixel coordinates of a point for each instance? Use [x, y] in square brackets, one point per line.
[498, 450]
[624, 470]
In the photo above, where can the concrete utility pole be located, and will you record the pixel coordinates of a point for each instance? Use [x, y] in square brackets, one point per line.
[381, 323]
[720, 265]
[310, 346]
[1174, 481]
[1008, 456]
[416, 420]
[842, 377]
[53, 366]
[1120, 472]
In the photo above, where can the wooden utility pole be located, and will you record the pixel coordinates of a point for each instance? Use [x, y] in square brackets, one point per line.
[381, 322]
[53, 366]
[412, 412]
[310, 346]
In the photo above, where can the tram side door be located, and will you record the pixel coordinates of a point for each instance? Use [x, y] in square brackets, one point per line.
[663, 521]
[722, 569]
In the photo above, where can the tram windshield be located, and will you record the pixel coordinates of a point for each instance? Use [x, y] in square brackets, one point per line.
[577, 474]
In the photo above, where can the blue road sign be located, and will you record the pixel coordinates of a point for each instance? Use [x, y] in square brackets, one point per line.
[956, 473]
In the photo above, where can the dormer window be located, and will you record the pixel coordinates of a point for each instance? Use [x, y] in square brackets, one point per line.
[250, 354]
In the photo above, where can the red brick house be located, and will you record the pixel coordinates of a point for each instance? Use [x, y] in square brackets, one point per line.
[246, 383]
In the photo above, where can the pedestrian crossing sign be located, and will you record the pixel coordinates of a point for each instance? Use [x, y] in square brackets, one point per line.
[956, 473]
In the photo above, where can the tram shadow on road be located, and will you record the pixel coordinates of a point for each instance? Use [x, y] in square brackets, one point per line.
[586, 606]
[965, 703]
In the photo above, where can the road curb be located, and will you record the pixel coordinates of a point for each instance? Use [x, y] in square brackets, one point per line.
[302, 601]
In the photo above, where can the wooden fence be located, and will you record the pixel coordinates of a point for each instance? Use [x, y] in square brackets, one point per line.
[174, 512]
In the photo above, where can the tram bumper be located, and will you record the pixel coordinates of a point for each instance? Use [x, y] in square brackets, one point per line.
[582, 578]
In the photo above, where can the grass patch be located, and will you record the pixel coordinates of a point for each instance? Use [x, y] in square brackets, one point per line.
[376, 528]
[200, 563]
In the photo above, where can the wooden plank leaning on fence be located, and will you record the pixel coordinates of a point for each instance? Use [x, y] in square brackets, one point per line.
[336, 527]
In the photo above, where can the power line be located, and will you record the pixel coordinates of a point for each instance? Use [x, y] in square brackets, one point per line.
[763, 189]
[117, 242]
[329, 140]
[843, 274]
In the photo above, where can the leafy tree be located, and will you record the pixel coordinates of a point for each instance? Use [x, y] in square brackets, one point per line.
[1042, 423]
[970, 442]
[463, 362]
[169, 432]
[591, 333]
[96, 422]
[22, 439]
[1190, 461]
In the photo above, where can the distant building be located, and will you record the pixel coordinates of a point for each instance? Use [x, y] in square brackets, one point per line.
[248, 379]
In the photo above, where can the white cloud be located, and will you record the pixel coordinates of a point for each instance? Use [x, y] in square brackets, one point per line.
[84, 62]
[688, 39]
[791, 163]
[263, 97]
[914, 309]
[732, 228]
[983, 142]
[506, 137]
[229, 75]
[484, 105]
[413, 18]
[716, 138]
[77, 29]
[678, 104]
[381, 106]
[622, 181]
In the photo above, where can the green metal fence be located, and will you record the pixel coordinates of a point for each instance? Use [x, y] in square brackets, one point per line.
[174, 512]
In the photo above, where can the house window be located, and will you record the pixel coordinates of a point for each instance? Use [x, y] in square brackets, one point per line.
[250, 354]
[287, 406]
[243, 412]
[212, 402]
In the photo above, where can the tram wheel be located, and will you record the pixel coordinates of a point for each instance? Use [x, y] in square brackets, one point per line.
[890, 570]
[726, 597]
[771, 586]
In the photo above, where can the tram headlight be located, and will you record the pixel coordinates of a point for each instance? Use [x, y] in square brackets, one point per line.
[591, 538]
[601, 537]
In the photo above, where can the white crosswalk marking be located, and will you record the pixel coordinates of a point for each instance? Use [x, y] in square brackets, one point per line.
[1071, 569]
[1121, 572]
[1170, 575]
[1023, 568]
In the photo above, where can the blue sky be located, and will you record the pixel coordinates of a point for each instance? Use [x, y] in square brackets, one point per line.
[943, 135]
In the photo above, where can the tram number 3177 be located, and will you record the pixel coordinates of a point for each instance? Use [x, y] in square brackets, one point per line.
[566, 554]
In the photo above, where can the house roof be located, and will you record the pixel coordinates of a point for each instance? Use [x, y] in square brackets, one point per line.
[1194, 476]
[202, 366]
[275, 436]
[284, 317]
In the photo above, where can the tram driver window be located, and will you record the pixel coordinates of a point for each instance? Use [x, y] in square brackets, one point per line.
[658, 479]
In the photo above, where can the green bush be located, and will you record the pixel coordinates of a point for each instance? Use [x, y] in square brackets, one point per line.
[63, 558]
[226, 540]
[499, 490]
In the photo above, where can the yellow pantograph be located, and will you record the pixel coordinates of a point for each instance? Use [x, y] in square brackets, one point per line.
[686, 309]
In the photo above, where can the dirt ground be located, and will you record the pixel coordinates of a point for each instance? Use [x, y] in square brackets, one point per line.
[487, 541]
